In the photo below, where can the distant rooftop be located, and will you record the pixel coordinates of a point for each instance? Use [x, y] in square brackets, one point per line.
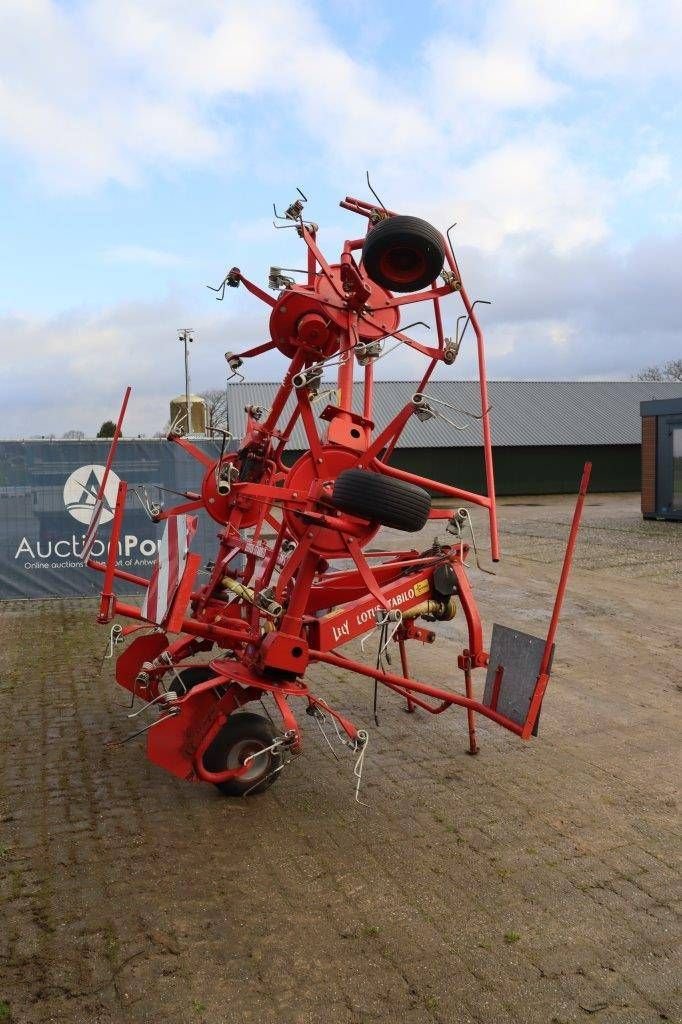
[523, 412]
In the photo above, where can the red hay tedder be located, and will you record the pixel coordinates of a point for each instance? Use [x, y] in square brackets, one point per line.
[295, 577]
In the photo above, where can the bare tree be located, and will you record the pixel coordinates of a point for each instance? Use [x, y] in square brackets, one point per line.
[216, 405]
[672, 370]
[73, 435]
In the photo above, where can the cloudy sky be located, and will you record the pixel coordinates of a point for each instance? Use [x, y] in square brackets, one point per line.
[143, 142]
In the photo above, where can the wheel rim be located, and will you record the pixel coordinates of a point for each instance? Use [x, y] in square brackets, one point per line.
[238, 753]
[402, 263]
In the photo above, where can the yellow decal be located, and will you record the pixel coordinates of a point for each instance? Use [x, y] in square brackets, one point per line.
[421, 588]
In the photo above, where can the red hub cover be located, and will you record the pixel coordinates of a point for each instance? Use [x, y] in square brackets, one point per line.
[334, 460]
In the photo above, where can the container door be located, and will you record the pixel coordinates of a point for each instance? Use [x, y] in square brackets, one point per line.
[677, 467]
[670, 467]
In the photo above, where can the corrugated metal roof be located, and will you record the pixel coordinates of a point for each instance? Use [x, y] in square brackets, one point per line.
[523, 412]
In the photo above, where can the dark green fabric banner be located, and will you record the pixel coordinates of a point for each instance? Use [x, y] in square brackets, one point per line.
[47, 490]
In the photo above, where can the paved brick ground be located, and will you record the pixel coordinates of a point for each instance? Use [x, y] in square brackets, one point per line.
[535, 883]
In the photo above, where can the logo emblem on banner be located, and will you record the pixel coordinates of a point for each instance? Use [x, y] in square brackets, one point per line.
[80, 493]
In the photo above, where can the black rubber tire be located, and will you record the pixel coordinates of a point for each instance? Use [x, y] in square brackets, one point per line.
[190, 677]
[403, 254]
[249, 732]
[381, 499]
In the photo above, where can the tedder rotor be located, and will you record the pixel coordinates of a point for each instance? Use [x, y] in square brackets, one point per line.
[296, 576]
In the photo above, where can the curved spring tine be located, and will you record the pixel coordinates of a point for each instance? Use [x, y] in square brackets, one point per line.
[453, 225]
[455, 426]
[363, 736]
[369, 186]
[455, 408]
[131, 736]
[477, 302]
[221, 288]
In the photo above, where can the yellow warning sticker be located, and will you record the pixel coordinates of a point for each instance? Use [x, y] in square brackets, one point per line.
[421, 588]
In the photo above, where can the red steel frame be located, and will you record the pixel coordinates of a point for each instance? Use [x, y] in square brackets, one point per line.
[274, 602]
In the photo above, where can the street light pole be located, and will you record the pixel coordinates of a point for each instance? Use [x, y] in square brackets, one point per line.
[186, 337]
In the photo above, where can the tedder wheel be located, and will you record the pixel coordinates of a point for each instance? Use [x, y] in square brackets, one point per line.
[381, 499]
[244, 734]
[403, 254]
[190, 677]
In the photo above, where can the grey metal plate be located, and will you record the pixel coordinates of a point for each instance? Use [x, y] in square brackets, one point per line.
[521, 655]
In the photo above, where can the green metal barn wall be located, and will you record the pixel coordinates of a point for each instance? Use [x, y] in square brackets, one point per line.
[528, 470]
[525, 470]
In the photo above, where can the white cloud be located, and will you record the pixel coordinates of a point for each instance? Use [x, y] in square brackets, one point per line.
[561, 26]
[94, 354]
[79, 115]
[560, 333]
[201, 50]
[118, 89]
[650, 170]
[555, 315]
[125, 90]
[113, 88]
[110, 90]
[498, 77]
[527, 190]
[598, 39]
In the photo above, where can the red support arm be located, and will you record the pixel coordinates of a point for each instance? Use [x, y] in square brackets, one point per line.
[114, 443]
[255, 290]
[566, 567]
[543, 676]
[107, 599]
[433, 485]
[405, 686]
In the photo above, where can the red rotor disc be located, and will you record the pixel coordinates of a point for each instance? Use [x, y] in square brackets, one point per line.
[382, 319]
[221, 506]
[328, 543]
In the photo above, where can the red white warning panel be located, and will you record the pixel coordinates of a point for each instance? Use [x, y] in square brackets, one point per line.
[169, 567]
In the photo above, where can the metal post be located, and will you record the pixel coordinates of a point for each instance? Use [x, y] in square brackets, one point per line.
[185, 336]
[471, 721]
